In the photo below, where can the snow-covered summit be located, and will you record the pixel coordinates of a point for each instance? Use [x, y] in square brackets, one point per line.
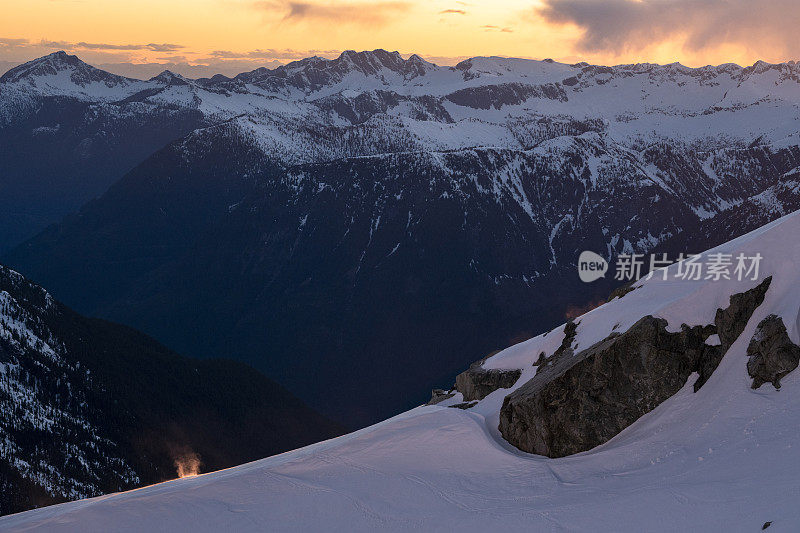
[168, 77]
[725, 456]
[53, 64]
[61, 74]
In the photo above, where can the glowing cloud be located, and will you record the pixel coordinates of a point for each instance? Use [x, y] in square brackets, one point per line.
[619, 26]
[357, 13]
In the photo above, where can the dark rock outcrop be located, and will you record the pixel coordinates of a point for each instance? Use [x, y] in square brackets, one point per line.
[564, 350]
[580, 401]
[496, 96]
[732, 320]
[772, 354]
[730, 323]
[440, 395]
[465, 405]
[476, 382]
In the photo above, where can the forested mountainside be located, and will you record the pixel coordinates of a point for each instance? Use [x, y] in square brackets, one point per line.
[91, 407]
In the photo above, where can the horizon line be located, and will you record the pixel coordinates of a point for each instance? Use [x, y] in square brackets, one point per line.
[404, 56]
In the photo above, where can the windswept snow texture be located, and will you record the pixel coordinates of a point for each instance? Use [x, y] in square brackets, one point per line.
[726, 457]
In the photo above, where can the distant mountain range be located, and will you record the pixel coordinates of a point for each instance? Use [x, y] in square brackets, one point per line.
[91, 407]
[373, 221]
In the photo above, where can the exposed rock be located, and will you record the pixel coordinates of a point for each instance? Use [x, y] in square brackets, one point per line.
[465, 405]
[619, 292]
[440, 395]
[708, 362]
[732, 321]
[579, 401]
[496, 96]
[564, 350]
[477, 382]
[772, 354]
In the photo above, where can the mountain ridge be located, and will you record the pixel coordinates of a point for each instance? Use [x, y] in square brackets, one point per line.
[92, 407]
[370, 61]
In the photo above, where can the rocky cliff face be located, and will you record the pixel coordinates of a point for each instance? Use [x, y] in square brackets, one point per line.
[578, 402]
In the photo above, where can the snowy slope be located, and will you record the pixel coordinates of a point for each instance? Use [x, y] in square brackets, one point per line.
[725, 457]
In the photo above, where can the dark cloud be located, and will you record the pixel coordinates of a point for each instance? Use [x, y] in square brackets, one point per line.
[7, 42]
[103, 46]
[67, 45]
[273, 54]
[55, 44]
[492, 27]
[153, 47]
[164, 47]
[453, 12]
[360, 13]
[762, 26]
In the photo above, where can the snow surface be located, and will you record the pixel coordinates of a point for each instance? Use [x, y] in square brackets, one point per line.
[726, 457]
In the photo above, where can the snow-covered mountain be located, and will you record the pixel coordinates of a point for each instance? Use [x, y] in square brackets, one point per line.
[711, 135]
[89, 407]
[697, 430]
[479, 102]
[72, 130]
[471, 188]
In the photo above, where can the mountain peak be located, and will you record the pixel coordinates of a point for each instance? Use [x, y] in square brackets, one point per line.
[312, 73]
[370, 62]
[170, 78]
[373, 62]
[80, 73]
[50, 64]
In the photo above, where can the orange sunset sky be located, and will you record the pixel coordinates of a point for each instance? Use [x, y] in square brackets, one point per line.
[198, 37]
